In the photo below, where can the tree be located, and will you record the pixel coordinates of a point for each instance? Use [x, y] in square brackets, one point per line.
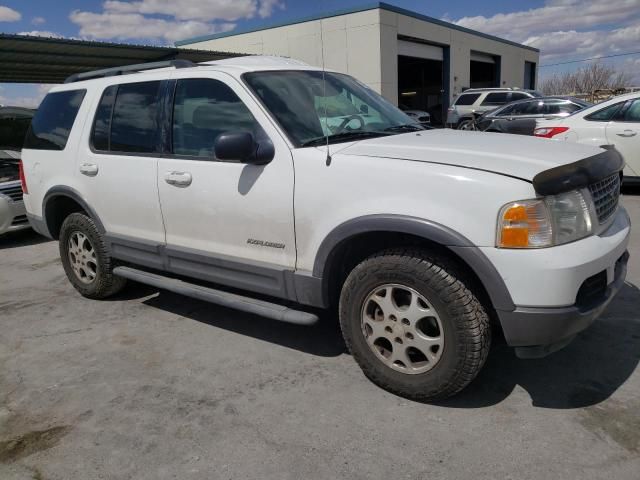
[594, 76]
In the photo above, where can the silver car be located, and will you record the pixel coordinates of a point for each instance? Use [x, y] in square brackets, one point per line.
[480, 100]
[14, 123]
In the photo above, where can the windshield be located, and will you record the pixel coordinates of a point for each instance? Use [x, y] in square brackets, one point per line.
[342, 108]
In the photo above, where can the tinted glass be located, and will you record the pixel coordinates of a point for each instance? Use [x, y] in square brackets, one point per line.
[527, 108]
[519, 96]
[633, 112]
[308, 106]
[496, 98]
[51, 126]
[467, 99]
[605, 114]
[204, 109]
[102, 122]
[134, 120]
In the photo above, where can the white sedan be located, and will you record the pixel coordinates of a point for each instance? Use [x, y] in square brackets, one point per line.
[614, 122]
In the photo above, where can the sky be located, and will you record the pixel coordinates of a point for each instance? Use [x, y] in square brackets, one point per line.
[564, 30]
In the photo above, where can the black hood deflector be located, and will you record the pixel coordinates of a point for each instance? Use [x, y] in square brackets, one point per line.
[579, 174]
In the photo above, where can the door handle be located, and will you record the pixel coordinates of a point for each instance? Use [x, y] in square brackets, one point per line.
[178, 179]
[89, 169]
[627, 133]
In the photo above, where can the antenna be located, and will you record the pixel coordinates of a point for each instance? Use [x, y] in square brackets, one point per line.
[324, 96]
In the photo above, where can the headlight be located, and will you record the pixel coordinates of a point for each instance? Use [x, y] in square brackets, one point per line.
[545, 222]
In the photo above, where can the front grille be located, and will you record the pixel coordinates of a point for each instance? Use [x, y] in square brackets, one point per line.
[20, 220]
[606, 194]
[13, 192]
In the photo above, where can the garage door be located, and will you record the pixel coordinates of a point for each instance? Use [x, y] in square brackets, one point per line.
[419, 50]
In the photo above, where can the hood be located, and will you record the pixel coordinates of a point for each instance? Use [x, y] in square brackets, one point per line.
[512, 155]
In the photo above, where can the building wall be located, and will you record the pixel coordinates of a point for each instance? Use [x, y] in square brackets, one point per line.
[364, 44]
[351, 44]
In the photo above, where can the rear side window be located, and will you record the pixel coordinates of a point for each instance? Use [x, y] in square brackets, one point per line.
[496, 98]
[134, 123]
[102, 123]
[126, 119]
[519, 96]
[467, 99]
[52, 123]
[605, 114]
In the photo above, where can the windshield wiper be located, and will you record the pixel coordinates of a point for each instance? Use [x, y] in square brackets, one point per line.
[407, 127]
[336, 137]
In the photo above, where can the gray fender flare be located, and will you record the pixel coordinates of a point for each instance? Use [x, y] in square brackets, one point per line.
[64, 191]
[432, 231]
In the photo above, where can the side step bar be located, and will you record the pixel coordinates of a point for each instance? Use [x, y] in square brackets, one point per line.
[226, 299]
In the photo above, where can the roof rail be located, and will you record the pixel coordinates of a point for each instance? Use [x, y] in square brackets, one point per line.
[139, 67]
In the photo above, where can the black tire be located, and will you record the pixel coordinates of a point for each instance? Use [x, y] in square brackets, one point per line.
[464, 124]
[465, 323]
[105, 283]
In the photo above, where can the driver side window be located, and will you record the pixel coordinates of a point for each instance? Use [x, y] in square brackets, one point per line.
[203, 109]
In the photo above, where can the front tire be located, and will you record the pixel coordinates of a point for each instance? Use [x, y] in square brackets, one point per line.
[85, 258]
[413, 325]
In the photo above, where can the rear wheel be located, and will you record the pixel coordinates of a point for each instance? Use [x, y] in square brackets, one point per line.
[412, 324]
[466, 125]
[85, 258]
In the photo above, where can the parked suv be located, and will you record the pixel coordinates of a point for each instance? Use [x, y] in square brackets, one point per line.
[480, 100]
[236, 174]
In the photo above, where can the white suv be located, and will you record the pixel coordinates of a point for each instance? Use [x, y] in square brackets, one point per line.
[306, 189]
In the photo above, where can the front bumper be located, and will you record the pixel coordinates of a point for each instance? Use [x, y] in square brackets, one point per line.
[537, 332]
[12, 215]
[560, 291]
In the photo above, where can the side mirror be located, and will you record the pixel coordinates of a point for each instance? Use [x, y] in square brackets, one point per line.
[243, 147]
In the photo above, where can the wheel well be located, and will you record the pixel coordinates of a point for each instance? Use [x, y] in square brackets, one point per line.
[57, 209]
[353, 250]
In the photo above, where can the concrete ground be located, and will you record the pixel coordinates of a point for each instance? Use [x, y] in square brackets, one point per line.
[154, 386]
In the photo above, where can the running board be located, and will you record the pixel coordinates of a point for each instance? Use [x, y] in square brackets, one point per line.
[226, 299]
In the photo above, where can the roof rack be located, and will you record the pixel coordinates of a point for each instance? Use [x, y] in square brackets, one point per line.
[139, 67]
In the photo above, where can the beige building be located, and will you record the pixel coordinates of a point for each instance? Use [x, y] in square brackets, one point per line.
[413, 60]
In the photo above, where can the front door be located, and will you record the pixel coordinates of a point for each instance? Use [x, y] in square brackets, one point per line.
[225, 221]
[624, 133]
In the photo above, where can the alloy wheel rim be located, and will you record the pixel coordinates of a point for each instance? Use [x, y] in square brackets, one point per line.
[402, 328]
[82, 257]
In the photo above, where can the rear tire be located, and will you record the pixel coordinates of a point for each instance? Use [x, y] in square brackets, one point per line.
[85, 258]
[426, 353]
[465, 125]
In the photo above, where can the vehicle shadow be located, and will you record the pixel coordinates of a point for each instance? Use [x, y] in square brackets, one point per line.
[21, 238]
[586, 372]
[322, 339]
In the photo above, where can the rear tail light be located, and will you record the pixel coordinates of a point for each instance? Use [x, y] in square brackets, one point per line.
[23, 179]
[548, 132]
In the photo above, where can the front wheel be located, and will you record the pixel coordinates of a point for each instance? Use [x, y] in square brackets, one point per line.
[412, 324]
[85, 258]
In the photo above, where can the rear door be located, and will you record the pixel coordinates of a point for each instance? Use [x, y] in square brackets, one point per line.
[117, 167]
[225, 221]
[624, 133]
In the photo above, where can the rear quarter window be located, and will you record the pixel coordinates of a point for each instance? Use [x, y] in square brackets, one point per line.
[496, 98]
[52, 123]
[467, 99]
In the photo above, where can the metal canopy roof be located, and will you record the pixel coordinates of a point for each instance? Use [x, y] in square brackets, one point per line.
[27, 59]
